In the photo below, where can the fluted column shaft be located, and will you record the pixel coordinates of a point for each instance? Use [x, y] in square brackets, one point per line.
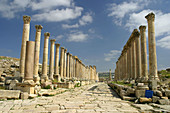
[68, 65]
[65, 63]
[25, 37]
[152, 47]
[138, 57]
[45, 56]
[51, 64]
[61, 62]
[29, 61]
[144, 53]
[133, 59]
[71, 66]
[37, 49]
[56, 70]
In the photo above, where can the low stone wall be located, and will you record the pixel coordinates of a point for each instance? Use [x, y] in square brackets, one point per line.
[10, 94]
[137, 94]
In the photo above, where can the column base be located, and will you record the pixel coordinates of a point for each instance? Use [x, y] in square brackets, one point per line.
[57, 77]
[36, 79]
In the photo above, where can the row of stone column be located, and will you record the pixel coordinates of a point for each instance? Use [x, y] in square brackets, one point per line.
[132, 63]
[65, 67]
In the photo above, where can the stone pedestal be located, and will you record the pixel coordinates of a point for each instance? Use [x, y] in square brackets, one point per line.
[51, 67]
[37, 53]
[44, 76]
[25, 37]
[152, 47]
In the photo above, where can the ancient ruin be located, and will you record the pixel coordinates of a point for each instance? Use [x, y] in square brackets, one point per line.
[63, 71]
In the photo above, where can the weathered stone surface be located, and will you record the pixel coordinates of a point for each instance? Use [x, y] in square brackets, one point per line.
[130, 91]
[164, 101]
[158, 93]
[155, 99]
[167, 93]
[10, 94]
[140, 93]
[24, 95]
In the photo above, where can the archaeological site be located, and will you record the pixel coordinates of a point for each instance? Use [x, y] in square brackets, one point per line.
[62, 82]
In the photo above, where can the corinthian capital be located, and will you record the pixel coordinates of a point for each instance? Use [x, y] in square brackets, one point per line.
[26, 19]
[150, 16]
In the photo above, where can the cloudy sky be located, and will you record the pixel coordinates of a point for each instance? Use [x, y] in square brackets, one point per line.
[93, 30]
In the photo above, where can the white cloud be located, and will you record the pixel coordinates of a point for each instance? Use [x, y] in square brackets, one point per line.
[66, 26]
[59, 37]
[77, 37]
[9, 9]
[164, 42]
[46, 4]
[162, 22]
[118, 11]
[58, 15]
[111, 55]
[91, 30]
[51, 11]
[86, 19]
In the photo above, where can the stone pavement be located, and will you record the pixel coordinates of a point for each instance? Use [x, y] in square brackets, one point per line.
[95, 98]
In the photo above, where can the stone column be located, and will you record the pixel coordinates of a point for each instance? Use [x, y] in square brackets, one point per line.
[138, 55]
[51, 68]
[110, 74]
[152, 47]
[61, 61]
[25, 37]
[71, 66]
[76, 67]
[133, 57]
[125, 63]
[144, 54]
[68, 65]
[37, 53]
[29, 61]
[56, 69]
[45, 57]
[65, 63]
[91, 76]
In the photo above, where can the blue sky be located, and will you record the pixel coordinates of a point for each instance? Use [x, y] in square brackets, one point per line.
[93, 30]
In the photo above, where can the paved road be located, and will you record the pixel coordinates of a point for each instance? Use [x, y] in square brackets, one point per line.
[96, 98]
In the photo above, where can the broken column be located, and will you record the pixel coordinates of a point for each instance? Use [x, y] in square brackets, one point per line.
[44, 76]
[37, 53]
[29, 61]
[28, 84]
[144, 54]
[56, 69]
[152, 47]
[25, 37]
[51, 67]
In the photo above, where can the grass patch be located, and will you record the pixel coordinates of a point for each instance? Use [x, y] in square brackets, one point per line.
[47, 87]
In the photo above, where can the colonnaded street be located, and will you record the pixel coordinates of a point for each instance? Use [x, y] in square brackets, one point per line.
[95, 98]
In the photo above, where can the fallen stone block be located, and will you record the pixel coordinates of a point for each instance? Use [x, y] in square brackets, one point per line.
[164, 101]
[140, 93]
[167, 93]
[24, 95]
[158, 93]
[155, 99]
[145, 100]
[129, 98]
[10, 94]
